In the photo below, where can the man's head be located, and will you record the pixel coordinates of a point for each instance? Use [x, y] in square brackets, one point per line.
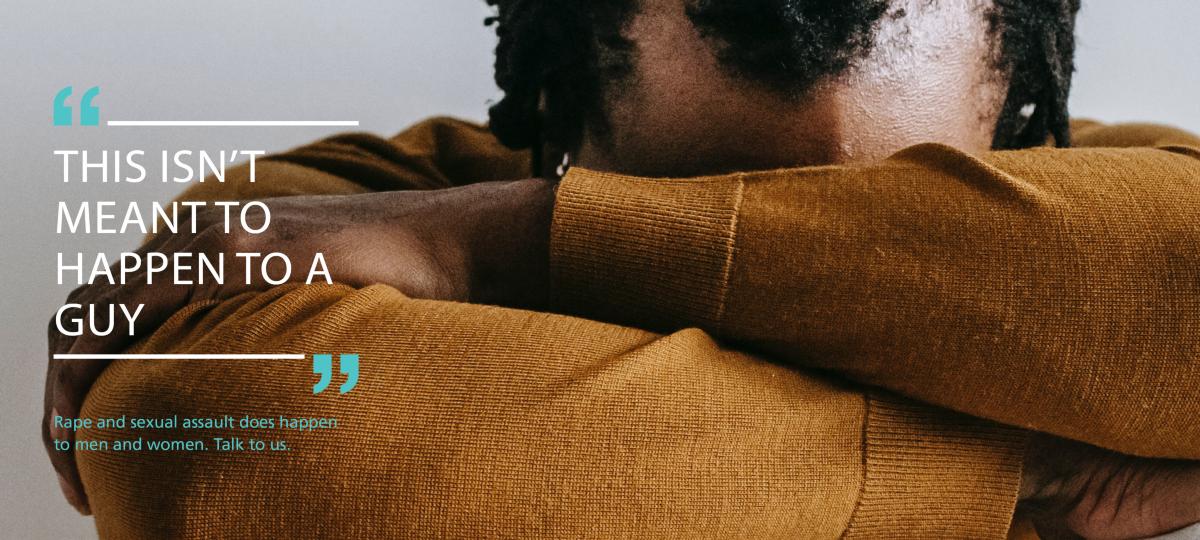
[684, 87]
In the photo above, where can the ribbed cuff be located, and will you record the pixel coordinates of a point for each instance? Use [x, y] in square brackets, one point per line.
[931, 473]
[618, 253]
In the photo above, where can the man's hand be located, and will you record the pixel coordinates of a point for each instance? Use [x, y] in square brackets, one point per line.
[485, 243]
[1073, 490]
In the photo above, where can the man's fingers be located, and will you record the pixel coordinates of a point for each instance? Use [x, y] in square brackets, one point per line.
[71, 380]
[63, 459]
[68, 381]
[56, 403]
[153, 305]
[73, 492]
[65, 468]
[103, 303]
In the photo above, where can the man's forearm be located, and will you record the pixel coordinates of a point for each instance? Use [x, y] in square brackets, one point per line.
[1047, 289]
[496, 422]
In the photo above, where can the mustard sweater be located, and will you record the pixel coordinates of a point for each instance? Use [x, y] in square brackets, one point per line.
[787, 312]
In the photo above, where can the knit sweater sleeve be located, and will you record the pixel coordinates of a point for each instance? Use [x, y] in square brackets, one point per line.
[478, 422]
[474, 421]
[1057, 290]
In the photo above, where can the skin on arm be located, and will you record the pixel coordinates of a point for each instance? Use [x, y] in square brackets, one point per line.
[304, 184]
[666, 124]
[1043, 486]
[832, 131]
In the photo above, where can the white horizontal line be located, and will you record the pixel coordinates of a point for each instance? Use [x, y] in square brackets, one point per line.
[179, 357]
[234, 123]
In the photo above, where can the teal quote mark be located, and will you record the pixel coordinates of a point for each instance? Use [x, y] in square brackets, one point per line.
[89, 115]
[323, 366]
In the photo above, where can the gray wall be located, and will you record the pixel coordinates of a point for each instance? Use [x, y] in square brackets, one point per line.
[385, 63]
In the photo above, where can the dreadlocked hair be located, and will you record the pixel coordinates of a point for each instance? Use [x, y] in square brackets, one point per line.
[1037, 41]
[554, 62]
[556, 59]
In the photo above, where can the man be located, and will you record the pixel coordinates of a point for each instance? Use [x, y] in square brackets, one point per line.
[1050, 290]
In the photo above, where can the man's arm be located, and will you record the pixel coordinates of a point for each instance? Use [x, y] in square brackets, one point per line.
[433, 154]
[477, 421]
[424, 243]
[882, 494]
[1057, 290]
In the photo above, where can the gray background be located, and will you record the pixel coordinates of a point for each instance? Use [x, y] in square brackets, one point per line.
[384, 63]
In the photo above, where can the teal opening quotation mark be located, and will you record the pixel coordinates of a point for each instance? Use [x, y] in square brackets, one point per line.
[323, 366]
[89, 115]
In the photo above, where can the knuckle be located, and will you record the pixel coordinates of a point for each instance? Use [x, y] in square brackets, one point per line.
[215, 239]
[239, 240]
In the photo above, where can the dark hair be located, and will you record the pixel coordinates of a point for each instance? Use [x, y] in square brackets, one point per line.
[1037, 42]
[556, 59]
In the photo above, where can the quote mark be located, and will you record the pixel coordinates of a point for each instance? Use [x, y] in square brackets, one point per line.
[323, 366]
[89, 115]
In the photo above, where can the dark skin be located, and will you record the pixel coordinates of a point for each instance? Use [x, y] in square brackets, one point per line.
[484, 243]
[680, 115]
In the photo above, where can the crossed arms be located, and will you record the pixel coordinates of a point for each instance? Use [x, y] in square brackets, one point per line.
[1043, 289]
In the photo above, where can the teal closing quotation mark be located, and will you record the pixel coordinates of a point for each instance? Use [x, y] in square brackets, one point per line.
[89, 115]
[323, 366]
